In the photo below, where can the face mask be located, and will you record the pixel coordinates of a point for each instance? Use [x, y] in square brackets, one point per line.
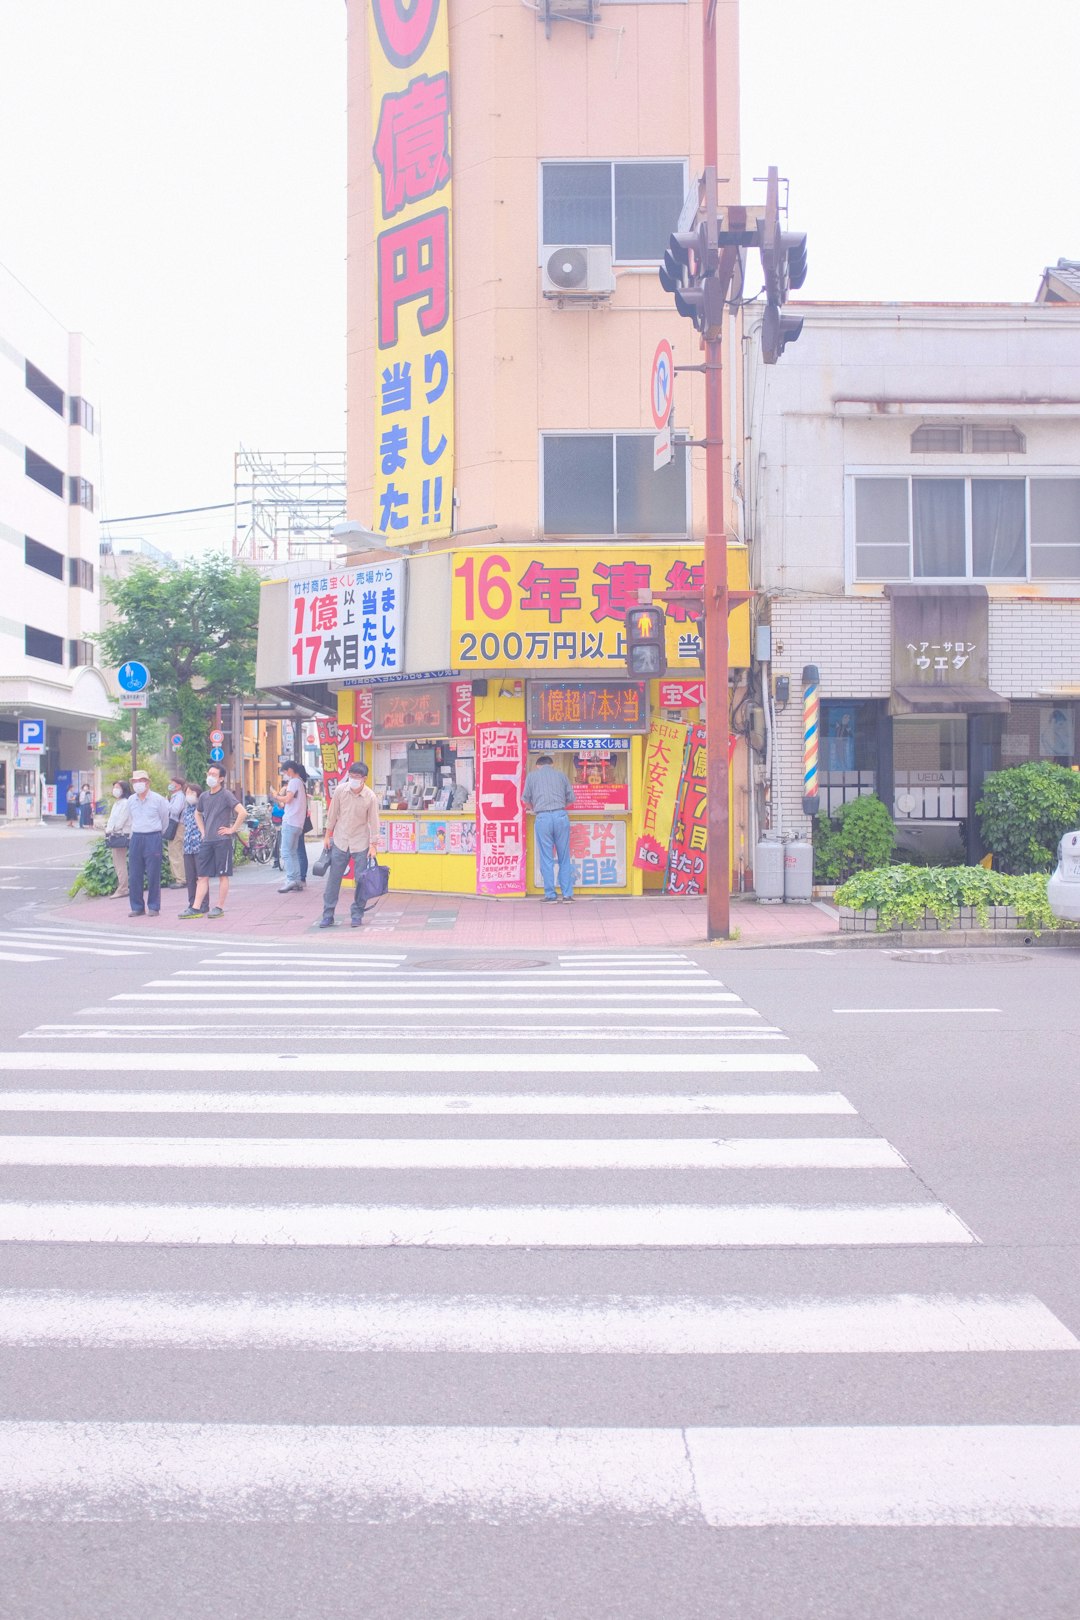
[356, 783]
[174, 787]
[211, 781]
[192, 798]
[118, 793]
[141, 787]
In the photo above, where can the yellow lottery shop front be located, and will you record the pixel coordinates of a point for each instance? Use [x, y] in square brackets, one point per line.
[537, 668]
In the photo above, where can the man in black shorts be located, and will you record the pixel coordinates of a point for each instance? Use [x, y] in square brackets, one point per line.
[219, 815]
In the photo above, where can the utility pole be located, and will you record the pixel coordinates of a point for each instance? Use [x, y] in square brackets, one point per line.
[717, 867]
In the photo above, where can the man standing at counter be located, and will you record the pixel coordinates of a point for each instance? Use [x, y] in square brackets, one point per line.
[548, 795]
[352, 831]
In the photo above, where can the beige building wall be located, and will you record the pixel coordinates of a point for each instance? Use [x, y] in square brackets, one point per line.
[523, 365]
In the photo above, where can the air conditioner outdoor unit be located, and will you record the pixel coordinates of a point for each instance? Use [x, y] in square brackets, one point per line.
[577, 271]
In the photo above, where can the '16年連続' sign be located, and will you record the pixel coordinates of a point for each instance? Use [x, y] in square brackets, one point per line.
[414, 355]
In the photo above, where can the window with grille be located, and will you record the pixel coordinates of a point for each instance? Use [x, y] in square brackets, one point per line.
[960, 438]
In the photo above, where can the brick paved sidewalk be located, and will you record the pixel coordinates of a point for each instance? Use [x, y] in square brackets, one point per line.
[256, 911]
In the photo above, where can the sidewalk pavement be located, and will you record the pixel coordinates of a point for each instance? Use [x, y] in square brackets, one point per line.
[256, 911]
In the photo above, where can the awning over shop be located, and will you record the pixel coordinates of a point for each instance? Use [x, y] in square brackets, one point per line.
[924, 697]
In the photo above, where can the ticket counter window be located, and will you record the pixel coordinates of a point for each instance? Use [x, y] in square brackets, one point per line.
[600, 777]
[425, 775]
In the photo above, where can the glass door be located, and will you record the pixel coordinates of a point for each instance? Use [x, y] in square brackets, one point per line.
[930, 767]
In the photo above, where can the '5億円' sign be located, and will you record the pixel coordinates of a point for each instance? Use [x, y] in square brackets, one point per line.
[409, 56]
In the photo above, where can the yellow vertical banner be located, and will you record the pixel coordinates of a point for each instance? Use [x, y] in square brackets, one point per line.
[660, 786]
[414, 366]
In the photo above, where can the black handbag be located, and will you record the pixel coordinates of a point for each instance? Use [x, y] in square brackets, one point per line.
[373, 882]
[117, 841]
[321, 864]
[172, 829]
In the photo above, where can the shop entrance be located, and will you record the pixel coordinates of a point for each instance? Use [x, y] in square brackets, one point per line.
[930, 779]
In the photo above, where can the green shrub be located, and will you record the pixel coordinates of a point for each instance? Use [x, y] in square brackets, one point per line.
[902, 894]
[861, 835]
[98, 875]
[1025, 810]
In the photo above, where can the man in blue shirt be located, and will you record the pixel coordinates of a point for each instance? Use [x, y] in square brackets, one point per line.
[548, 794]
[149, 819]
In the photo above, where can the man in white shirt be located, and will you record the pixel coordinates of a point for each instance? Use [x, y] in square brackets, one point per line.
[149, 819]
[174, 846]
[294, 800]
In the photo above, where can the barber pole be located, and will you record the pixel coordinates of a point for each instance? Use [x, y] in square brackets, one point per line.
[811, 715]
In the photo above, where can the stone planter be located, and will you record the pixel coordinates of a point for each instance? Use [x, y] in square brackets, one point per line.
[999, 918]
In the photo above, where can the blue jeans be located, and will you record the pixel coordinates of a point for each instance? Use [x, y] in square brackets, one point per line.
[553, 839]
[144, 865]
[290, 852]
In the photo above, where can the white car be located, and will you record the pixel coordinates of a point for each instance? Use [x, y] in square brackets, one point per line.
[1063, 887]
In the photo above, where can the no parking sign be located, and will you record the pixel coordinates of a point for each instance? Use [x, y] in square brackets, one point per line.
[661, 396]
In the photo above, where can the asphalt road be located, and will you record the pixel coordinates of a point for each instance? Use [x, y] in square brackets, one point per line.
[658, 1286]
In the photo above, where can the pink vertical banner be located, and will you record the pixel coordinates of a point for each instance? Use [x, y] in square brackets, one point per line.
[365, 713]
[461, 709]
[500, 808]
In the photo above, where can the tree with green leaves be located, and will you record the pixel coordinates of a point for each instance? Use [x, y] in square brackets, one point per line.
[195, 628]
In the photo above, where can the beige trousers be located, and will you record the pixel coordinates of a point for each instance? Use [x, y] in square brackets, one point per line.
[119, 860]
[175, 847]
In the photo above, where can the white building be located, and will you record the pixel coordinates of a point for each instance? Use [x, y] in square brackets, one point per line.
[49, 591]
[912, 485]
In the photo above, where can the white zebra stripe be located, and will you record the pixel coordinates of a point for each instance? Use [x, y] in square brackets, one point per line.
[417, 1102]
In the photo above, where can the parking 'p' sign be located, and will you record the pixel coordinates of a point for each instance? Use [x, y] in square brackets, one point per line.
[31, 736]
[661, 384]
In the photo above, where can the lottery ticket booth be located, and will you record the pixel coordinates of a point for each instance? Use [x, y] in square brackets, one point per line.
[500, 656]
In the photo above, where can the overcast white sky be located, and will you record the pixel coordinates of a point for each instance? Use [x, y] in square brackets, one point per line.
[174, 187]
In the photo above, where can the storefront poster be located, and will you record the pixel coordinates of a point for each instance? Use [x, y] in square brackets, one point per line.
[660, 786]
[409, 57]
[500, 808]
[461, 837]
[400, 837]
[597, 854]
[686, 855]
[462, 709]
[838, 750]
[346, 622]
[431, 838]
[682, 694]
[1056, 734]
[337, 748]
[563, 609]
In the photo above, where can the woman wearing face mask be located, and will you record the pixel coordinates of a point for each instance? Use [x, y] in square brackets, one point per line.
[118, 827]
[191, 838]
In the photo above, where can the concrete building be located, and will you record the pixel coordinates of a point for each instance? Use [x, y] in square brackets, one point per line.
[913, 499]
[49, 482]
[515, 172]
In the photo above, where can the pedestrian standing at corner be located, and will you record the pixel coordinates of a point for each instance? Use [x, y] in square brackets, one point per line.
[149, 819]
[190, 838]
[86, 808]
[294, 799]
[352, 833]
[219, 815]
[71, 804]
[174, 844]
[549, 794]
[119, 826]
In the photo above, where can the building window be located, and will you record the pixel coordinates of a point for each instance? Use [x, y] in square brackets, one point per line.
[41, 644]
[80, 573]
[43, 558]
[604, 484]
[957, 439]
[45, 389]
[81, 493]
[80, 652]
[44, 473]
[81, 413]
[967, 528]
[633, 207]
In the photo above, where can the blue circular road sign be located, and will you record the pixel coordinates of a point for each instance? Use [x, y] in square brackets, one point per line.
[133, 676]
[217, 755]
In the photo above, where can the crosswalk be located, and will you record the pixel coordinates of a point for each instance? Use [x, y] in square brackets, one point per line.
[56, 943]
[513, 1169]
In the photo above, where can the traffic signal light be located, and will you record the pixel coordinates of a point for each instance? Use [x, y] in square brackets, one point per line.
[646, 642]
[777, 331]
[688, 273]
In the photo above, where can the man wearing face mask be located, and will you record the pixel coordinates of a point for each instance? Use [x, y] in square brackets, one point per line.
[219, 815]
[174, 842]
[149, 819]
[352, 831]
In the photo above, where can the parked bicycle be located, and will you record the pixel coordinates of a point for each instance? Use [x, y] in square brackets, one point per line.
[259, 844]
